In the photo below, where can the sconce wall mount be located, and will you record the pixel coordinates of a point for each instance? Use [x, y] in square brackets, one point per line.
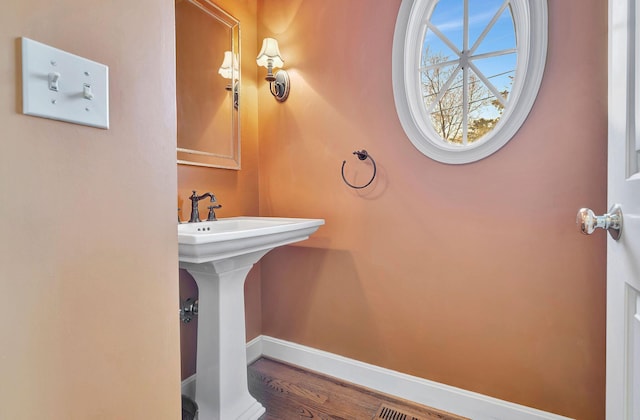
[280, 86]
[270, 58]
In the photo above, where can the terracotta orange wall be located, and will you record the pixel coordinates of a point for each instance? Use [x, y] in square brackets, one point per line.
[88, 253]
[237, 191]
[473, 276]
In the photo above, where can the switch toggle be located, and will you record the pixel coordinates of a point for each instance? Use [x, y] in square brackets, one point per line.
[86, 91]
[53, 81]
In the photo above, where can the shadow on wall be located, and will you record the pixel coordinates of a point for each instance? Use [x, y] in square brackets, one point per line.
[303, 304]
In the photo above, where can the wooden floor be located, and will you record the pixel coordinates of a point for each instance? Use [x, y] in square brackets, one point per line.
[291, 393]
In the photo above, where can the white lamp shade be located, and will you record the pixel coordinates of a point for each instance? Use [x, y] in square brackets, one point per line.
[270, 51]
[226, 69]
[229, 65]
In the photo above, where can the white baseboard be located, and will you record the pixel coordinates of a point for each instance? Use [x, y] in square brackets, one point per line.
[421, 391]
[254, 349]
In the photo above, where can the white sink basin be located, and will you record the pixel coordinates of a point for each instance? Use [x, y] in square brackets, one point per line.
[229, 237]
[219, 255]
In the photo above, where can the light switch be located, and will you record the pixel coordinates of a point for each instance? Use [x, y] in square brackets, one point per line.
[63, 86]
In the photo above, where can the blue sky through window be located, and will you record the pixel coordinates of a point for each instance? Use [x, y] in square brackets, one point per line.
[448, 18]
[494, 57]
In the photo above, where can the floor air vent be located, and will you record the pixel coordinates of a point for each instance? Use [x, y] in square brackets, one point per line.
[388, 413]
[393, 412]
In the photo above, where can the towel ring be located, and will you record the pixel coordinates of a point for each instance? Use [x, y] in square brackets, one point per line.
[362, 155]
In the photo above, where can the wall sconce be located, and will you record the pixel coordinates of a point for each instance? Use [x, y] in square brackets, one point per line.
[229, 70]
[270, 58]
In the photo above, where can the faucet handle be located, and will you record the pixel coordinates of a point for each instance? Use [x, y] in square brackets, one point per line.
[212, 213]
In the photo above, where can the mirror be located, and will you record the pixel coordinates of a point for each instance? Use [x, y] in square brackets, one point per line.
[207, 85]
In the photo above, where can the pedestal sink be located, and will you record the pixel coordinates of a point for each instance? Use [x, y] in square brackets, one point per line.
[219, 255]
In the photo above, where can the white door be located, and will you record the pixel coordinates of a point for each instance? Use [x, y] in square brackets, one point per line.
[623, 255]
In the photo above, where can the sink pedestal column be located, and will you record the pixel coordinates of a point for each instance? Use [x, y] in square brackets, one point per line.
[221, 378]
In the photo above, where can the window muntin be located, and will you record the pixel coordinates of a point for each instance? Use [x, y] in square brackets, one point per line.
[466, 73]
[467, 66]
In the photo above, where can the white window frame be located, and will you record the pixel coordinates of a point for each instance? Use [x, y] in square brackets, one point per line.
[530, 21]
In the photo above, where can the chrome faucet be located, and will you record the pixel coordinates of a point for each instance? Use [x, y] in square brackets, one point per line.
[195, 214]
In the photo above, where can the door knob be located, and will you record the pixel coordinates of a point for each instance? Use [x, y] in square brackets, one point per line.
[588, 222]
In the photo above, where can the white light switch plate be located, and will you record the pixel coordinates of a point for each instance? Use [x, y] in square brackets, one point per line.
[82, 94]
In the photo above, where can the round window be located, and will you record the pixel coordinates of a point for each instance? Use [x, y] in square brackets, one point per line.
[466, 73]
